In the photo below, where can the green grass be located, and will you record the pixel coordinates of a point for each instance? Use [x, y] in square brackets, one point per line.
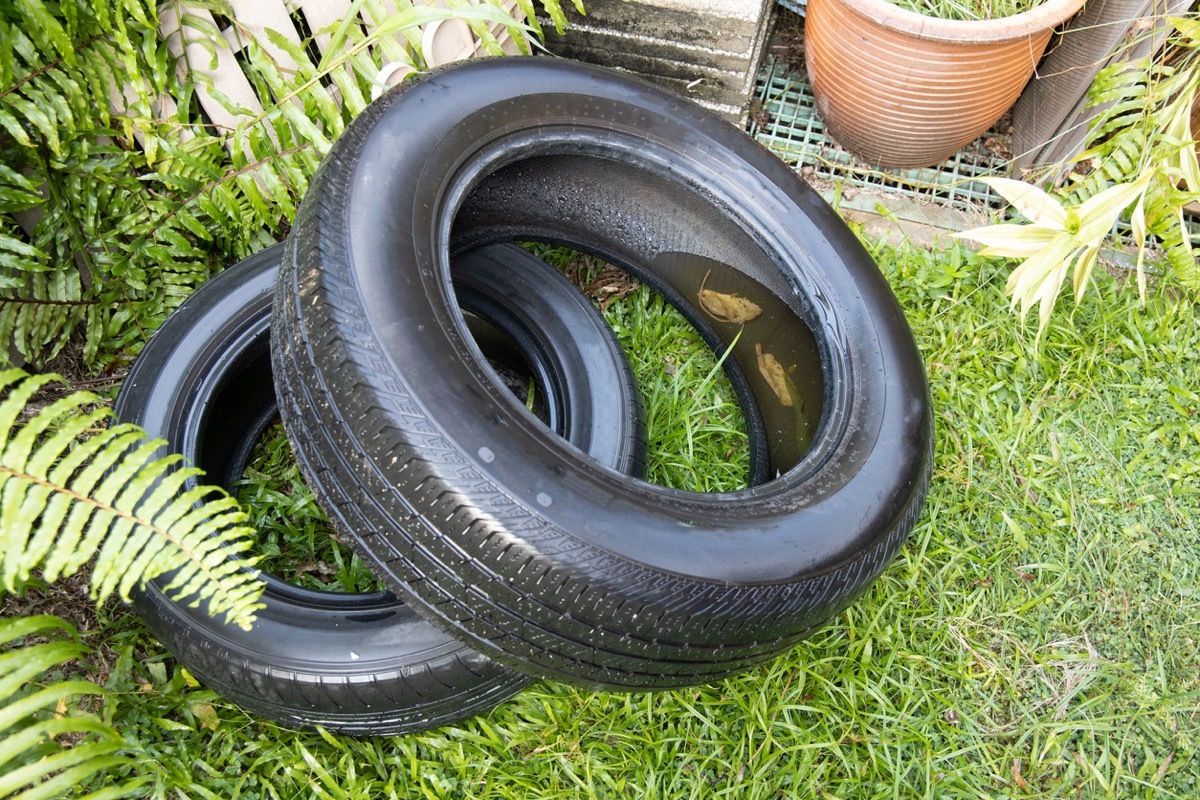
[695, 434]
[296, 541]
[1039, 636]
[695, 431]
[968, 9]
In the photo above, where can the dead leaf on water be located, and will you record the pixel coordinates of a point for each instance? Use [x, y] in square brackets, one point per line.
[776, 378]
[726, 307]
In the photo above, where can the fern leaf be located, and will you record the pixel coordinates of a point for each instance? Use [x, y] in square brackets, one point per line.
[31, 761]
[13, 629]
[527, 12]
[1117, 84]
[17, 192]
[67, 548]
[19, 256]
[54, 507]
[553, 9]
[72, 766]
[39, 120]
[22, 664]
[12, 124]
[1182, 262]
[70, 494]
[19, 389]
[48, 30]
[39, 313]
[22, 710]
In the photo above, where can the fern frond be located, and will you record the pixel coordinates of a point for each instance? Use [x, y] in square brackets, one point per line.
[554, 10]
[39, 315]
[1118, 82]
[1167, 224]
[1141, 130]
[1181, 260]
[143, 198]
[31, 716]
[73, 490]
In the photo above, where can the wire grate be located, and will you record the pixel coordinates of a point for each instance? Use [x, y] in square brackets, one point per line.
[787, 122]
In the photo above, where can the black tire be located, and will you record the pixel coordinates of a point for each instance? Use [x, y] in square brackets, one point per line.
[356, 663]
[540, 557]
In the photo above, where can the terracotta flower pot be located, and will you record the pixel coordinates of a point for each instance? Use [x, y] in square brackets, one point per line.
[904, 90]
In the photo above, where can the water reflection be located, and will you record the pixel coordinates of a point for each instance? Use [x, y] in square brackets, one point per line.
[774, 348]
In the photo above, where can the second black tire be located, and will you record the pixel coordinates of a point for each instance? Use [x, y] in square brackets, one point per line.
[358, 663]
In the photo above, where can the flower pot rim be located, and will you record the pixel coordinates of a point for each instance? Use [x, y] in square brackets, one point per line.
[1049, 14]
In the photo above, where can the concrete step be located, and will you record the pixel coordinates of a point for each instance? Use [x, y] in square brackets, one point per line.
[707, 50]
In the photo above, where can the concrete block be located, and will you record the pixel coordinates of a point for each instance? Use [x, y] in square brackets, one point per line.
[708, 50]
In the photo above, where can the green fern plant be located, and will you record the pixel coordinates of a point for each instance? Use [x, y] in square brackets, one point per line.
[77, 490]
[32, 762]
[1141, 166]
[112, 213]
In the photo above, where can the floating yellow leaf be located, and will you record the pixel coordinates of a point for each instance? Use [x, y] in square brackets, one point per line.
[726, 307]
[776, 378]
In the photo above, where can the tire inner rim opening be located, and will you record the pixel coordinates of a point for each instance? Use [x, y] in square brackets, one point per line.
[707, 254]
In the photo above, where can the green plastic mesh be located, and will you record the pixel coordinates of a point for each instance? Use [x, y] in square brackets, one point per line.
[785, 120]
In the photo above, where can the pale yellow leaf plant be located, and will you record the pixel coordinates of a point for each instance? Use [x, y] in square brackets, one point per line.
[1142, 166]
[1057, 241]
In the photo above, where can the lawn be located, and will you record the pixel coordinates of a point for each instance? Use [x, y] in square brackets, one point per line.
[1036, 637]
